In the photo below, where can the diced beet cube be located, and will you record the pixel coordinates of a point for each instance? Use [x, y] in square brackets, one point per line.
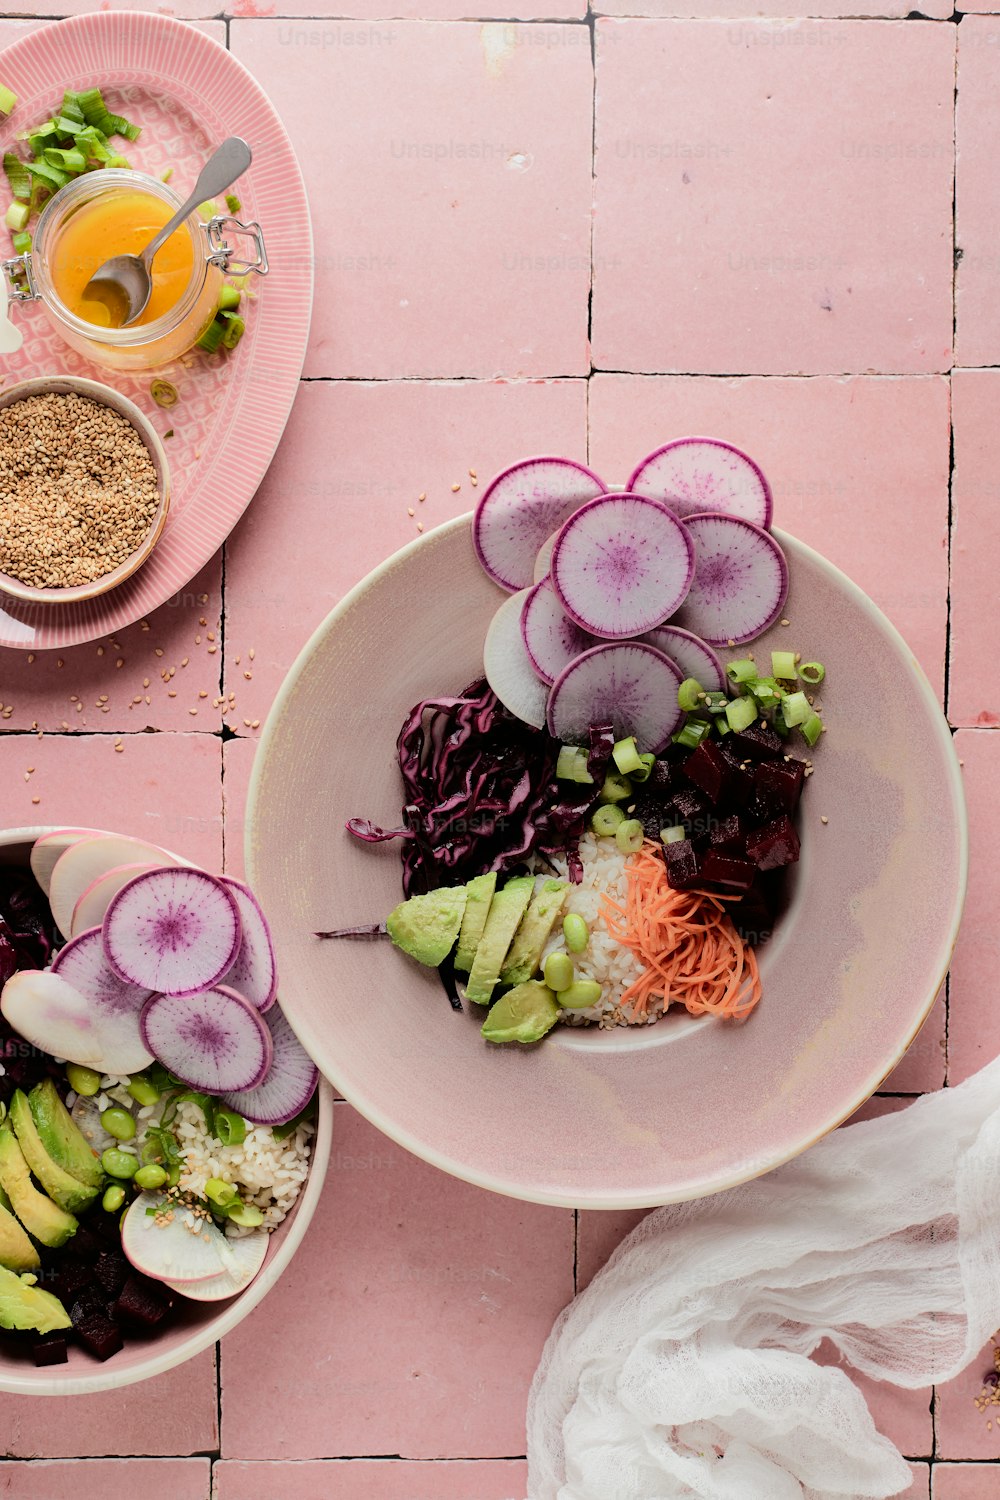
[779, 783]
[709, 769]
[729, 835]
[661, 779]
[140, 1303]
[728, 869]
[98, 1334]
[774, 845]
[651, 812]
[50, 1348]
[740, 780]
[759, 742]
[689, 808]
[111, 1272]
[89, 1299]
[682, 865]
[68, 1282]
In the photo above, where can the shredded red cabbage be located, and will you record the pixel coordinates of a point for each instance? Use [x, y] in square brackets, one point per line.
[27, 938]
[480, 792]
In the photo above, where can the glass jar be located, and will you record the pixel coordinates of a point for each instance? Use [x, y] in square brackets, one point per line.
[141, 346]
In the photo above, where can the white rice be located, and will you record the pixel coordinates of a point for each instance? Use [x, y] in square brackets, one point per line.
[265, 1172]
[604, 959]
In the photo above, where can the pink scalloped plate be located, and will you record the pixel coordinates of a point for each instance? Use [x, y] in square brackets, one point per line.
[634, 1116]
[188, 93]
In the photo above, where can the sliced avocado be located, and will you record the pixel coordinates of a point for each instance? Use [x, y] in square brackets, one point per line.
[69, 1192]
[4, 1201]
[17, 1252]
[426, 927]
[62, 1138]
[525, 955]
[24, 1305]
[44, 1220]
[506, 910]
[524, 1014]
[479, 894]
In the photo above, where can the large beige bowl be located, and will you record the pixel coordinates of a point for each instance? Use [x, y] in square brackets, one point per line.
[196, 1326]
[76, 385]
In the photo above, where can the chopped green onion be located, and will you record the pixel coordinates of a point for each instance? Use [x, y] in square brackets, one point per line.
[796, 709]
[121, 162]
[230, 1128]
[629, 836]
[207, 210]
[18, 178]
[91, 106]
[675, 835]
[63, 128]
[247, 1215]
[626, 756]
[571, 764]
[715, 703]
[118, 125]
[234, 329]
[163, 393]
[65, 161]
[21, 242]
[166, 176]
[616, 788]
[7, 99]
[692, 733]
[576, 932]
[233, 203]
[722, 725]
[50, 175]
[690, 694]
[778, 723]
[604, 820]
[229, 298]
[765, 691]
[644, 769]
[212, 337]
[783, 665]
[812, 672]
[70, 108]
[558, 971]
[220, 1192]
[812, 729]
[741, 712]
[744, 670]
[17, 215]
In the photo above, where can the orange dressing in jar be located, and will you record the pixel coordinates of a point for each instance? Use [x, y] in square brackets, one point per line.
[119, 223]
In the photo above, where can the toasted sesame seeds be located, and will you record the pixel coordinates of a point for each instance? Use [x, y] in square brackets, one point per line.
[824, 820]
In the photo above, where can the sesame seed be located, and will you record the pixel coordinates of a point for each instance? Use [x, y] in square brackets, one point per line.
[455, 489]
[202, 695]
[410, 511]
[203, 621]
[185, 661]
[143, 624]
[248, 676]
[422, 496]
[31, 657]
[202, 598]
[36, 800]
[251, 654]
[824, 820]
[120, 662]
[420, 525]
[100, 650]
[255, 724]
[171, 695]
[472, 474]
[119, 747]
[145, 682]
[787, 622]
[158, 651]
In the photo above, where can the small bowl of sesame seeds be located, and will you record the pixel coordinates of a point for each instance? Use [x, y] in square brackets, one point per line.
[84, 489]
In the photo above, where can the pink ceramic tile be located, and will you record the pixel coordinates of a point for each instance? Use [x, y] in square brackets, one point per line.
[301, 28]
[171, 659]
[977, 193]
[172, 1414]
[737, 10]
[966, 1482]
[374, 1479]
[974, 684]
[920, 1489]
[452, 222]
[859, 470]
[166, 788]
[354, 462]
[420, 1306]
[773, 197]
[973, 1020]
[963, 1431]
[903, 1416]
[597, 1236]
[97, 1478]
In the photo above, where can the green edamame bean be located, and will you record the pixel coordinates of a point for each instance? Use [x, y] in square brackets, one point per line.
[219, 1192]
[83, 1081]
[148, 1178]
[119, 1163]
[114, 1197]
[143, 1092]
[576, 932]
[247, 1215]
[119, 1123]
[559, 971]
[579, 995]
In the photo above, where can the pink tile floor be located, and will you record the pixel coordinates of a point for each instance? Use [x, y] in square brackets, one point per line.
[735, 225]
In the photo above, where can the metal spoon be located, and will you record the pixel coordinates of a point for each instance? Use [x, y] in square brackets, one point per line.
[124, 282]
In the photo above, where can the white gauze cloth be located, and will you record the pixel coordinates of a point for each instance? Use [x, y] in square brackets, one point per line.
[684, 1369]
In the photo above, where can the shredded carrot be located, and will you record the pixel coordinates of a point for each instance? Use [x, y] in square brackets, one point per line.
[690, 951]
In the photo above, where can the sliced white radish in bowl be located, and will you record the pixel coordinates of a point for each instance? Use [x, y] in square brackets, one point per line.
[520, 508]
[86, 861]
[90, 909]
[621, 565]
[696, 474]
[627, 682]
[740, 582]
[243, 1256]
[215, 1040]
[694, 657]
[51, 1014]
[254, 972]
[551, 639]
[508, 667]
[49, 846]
[176, 931]
[115, 1004]
[290, 1083]
[173, 1243]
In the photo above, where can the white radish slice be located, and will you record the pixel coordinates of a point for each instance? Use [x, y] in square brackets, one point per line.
[254, 973]
[90, 909]
[289, 1085]
[115, 1004]
[520, 508]
[544, 559]
[84, 862]
[740, 584]
[176, 931]
[627, 682]
[698, 474]
[550, 638]
[55, 1017]
[173, 1245]
[508, 667]
[49, 846]
[244, 1259]
[214, 1040]
[691, 654]
[621, 565]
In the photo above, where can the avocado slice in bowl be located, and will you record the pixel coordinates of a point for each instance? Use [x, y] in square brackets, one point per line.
[44, 1220]
[64, 1189]
[61, 1136]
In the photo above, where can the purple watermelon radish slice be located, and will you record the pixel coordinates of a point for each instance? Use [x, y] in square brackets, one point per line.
[520, 508]
[691, 654]
[550, 638]
[698, 474]
[740, 582]
[628, 683]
